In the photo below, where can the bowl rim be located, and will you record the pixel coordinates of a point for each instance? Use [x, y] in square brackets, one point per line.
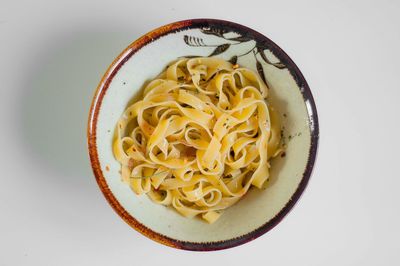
[97, 101]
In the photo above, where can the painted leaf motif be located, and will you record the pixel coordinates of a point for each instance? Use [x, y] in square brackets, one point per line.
[193, 41]
[214, 31]
[260, 71]
[240, 39]
[220, 49]
[233, 60]
[186, 39]
[264, 57]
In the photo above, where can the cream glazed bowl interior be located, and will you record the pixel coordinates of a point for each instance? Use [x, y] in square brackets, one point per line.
[260, 210]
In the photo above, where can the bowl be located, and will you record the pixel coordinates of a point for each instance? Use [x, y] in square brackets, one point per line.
[261, 209]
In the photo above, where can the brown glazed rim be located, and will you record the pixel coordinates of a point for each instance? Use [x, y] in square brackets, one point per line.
[128, 53]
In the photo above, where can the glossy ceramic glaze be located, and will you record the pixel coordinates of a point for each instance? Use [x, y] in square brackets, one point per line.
[259, 210]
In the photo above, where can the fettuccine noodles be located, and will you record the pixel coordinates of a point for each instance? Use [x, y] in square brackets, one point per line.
[201, 136]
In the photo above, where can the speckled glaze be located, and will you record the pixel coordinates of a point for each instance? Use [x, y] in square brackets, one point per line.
[260, 210]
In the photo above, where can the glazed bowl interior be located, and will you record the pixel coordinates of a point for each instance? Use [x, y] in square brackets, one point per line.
[259, 210]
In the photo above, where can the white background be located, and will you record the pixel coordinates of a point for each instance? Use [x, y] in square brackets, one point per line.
[52, 55]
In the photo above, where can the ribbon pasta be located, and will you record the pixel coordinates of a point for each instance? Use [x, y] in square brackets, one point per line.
[201, 136]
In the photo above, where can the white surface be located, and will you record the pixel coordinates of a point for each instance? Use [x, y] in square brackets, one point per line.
[52, 56]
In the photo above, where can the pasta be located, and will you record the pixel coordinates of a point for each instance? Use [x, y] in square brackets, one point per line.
[202, 135]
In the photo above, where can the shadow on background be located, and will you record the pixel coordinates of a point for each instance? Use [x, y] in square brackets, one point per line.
[58, 93]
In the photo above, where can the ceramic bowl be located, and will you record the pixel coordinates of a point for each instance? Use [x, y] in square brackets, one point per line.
[260, 210]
